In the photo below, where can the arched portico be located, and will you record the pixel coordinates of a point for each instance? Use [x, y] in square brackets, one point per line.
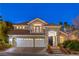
[52, 35]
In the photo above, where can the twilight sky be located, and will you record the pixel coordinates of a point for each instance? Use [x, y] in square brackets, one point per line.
[49, 12]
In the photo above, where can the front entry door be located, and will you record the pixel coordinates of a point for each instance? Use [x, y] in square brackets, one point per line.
[54, 41]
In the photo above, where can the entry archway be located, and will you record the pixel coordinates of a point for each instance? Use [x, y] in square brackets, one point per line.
[54, 39]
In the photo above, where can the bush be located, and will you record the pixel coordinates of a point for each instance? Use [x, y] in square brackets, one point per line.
[66, 43]
[49, 49]
[4, 45]
[1, 47]
[7, 45]
[72, 45]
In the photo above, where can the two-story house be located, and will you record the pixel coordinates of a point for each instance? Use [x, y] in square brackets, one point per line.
[36, 33]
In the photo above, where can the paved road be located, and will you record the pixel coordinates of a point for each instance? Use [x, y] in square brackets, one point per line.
[28, 52]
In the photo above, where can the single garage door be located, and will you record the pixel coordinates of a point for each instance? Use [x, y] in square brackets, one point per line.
[39, 42]
[24, 42]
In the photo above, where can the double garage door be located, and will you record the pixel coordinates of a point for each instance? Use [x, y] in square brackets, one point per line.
[30, 42]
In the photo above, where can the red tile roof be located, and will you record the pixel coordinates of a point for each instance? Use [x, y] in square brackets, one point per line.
[19, 32]
[23, 32]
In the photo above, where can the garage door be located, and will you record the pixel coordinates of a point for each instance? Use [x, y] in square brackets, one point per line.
[29, 42]
[39, 42]
[24, 42]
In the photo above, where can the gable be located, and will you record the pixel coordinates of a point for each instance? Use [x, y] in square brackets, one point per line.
[63, 33]
[37, 21]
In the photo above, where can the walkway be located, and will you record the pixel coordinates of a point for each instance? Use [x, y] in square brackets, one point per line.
[57, 52]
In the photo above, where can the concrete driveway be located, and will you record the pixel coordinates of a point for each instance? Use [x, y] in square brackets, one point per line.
[21, 51]
[24, 50]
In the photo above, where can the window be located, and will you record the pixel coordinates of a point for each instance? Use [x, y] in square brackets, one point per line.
[17, 27]
[23, 27]
[37, 29]
[62, 39]
[20, 27]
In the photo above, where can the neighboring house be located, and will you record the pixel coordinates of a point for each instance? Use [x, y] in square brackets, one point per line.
[36, 33]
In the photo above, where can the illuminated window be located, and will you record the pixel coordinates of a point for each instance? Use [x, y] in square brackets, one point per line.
[30, 38]
[20, 27]
[37, 29]
[37, 39]
[23, 27]
[17, 27]
[61, 39]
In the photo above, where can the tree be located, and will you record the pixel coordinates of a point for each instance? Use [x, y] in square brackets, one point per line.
[9, 27]
[66, 26]
[76, 22]
[0, 18]
[61, 24]
[72, 27]
[4, 27]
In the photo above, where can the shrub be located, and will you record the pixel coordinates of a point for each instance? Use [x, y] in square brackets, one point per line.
[49, 49]
[72, 45]
[7, 45]
[4, 45]
[66, 43]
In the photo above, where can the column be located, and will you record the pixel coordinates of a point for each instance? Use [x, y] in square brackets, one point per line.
[46, 41]
[56, 41]
[10, 40]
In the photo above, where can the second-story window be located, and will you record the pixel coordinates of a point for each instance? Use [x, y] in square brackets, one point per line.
[17, 27]
[37, 29]
[23, 27]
